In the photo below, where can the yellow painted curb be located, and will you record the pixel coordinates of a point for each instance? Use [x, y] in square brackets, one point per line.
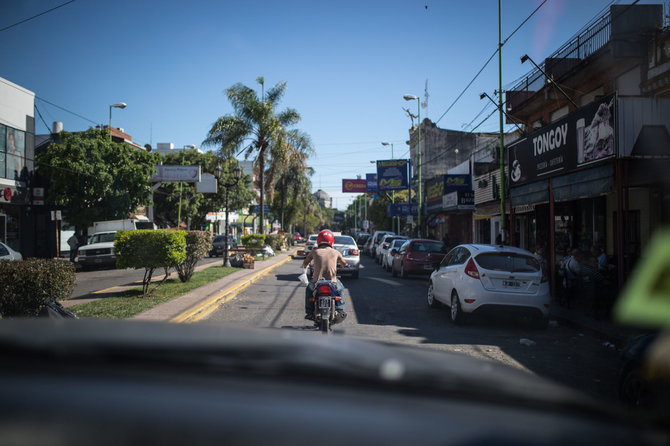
[207, 307]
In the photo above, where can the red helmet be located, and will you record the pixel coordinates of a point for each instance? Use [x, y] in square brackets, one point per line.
[325, 237]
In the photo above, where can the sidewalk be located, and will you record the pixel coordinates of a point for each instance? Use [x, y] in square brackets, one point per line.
[604, 329]
[198, 303]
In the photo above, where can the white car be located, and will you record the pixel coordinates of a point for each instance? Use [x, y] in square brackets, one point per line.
[389, 244]
[377, 238]
[349, 250]
[473, 278]
[310, 243]
[7, 253]
[99, 251]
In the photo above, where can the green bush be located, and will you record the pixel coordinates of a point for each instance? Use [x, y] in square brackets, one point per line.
[25, 286]
[198, 244]
[276, 241]
[150, 249]
[254, 240]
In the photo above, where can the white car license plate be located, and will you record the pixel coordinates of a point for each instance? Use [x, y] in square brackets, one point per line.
[511, 283]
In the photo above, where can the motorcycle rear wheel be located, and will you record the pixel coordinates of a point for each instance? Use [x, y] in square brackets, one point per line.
[323, 325]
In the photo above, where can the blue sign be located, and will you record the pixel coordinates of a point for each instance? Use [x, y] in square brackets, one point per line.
[256, 209]
[371, 183]
[338, 217]
[402, 209]
[392, 174]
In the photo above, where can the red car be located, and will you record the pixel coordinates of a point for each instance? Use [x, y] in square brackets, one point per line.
[417, 256]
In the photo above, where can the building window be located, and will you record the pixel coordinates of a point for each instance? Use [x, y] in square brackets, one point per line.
[12, 152]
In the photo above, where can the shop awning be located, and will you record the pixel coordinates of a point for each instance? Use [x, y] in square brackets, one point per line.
[533, 193]
[584, 184]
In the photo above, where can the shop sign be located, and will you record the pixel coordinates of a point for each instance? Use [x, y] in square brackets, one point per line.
[371, 183]
[584, 137]
[392, 174]
[457, 182]
[402, 209]
[354, 186]
[7, 194]
[459, 200]
[38, 195]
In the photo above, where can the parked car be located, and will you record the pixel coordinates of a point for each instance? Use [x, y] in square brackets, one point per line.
[362, 239]
[99, 251]
[219, 245]
[388, 253]
[297, 238]
[376, 240]
[385, 247]
[418, 257]
[349, 250]
[473, 278]
[7, 253]
[367, 248]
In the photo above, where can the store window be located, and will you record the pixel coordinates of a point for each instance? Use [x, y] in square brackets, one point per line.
[9, 225]
[12, 153]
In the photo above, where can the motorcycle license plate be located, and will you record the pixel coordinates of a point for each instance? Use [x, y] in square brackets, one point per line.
[324, 302]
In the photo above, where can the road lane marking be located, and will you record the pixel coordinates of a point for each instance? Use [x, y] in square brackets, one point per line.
[386, 281]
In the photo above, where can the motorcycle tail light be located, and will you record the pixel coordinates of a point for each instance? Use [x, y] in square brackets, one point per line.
[471, 269]
[352, 252]
[325, 289]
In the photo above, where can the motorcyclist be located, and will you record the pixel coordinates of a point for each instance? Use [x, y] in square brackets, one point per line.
[325, 259]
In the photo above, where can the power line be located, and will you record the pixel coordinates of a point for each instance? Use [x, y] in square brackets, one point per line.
[35, 16]
[488, 61]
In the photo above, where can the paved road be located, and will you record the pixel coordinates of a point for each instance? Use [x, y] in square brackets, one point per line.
[96, 282]
[382, 308]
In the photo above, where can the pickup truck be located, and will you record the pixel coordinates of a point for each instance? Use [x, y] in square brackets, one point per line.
[99, 251]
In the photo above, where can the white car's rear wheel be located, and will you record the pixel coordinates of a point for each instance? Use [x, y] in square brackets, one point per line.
[456, 313]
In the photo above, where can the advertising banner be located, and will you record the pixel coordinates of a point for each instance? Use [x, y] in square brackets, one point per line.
[444, 185]
[401, 209]
[354, 186]
[392, 174]
[459, 200]
[371, 185]
[583, 138]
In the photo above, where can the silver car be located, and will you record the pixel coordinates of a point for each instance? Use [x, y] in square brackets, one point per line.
[7, 253]
[473, 278]
[349, 250]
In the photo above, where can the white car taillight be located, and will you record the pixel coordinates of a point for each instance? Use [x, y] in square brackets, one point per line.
[352, 252]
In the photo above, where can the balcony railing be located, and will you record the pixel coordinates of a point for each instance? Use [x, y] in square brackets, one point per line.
[594, 37]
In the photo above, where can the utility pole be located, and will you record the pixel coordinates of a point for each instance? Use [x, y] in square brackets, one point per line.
[502, 140]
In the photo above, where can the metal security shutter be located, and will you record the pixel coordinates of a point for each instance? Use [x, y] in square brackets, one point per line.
[584, 184]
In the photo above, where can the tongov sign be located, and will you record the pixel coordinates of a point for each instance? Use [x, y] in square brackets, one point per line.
[168, 174]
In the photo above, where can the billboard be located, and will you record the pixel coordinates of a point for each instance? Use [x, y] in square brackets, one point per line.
[371, 179]
[584, 137]
[354, 186]
[392, 174]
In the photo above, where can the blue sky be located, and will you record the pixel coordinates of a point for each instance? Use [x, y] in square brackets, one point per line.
[347, 65]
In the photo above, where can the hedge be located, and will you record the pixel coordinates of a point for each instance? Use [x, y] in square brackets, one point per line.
[150, 249]
[198, 244]
[27, 285]
[254, 240]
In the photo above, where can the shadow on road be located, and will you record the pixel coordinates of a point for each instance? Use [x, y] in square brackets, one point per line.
[558, 353]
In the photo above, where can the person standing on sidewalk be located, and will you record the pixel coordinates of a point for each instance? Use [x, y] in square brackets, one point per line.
[73, 243]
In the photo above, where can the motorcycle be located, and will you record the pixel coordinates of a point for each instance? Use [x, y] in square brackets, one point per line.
[324, 297]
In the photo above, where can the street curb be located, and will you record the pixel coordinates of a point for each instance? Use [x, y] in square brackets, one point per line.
[210, 305]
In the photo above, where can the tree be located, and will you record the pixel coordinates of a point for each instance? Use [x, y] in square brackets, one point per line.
[255, 127]
[195, 206]
[94, 179]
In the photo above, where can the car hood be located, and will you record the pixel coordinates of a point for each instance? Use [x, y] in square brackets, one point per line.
[96, 246]
[286, 354]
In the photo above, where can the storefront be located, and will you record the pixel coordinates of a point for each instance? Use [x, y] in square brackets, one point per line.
[449, 206]
[575, 184]
[487, 224]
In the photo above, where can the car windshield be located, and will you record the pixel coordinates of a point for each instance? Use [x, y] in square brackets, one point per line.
[522, 147]
[344, 240]
[507, 261]
[427, 247]
[103, 238]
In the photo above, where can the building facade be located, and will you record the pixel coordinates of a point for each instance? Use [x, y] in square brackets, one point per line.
[592, 170]
[17, 149]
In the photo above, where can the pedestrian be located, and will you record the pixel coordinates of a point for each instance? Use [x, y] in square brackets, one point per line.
[499, 239]
[73, 243]
[572, 273]
[446, 242]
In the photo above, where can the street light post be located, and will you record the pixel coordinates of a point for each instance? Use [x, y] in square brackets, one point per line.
[117, 105]
[411, 97]
[237, 174]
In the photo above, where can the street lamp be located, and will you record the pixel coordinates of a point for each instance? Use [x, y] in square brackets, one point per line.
[117, 105]
[411, 97]
[237, 174]
[526, 57]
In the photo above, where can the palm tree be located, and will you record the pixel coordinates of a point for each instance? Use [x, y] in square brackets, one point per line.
[292, 169]
[255, 127]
